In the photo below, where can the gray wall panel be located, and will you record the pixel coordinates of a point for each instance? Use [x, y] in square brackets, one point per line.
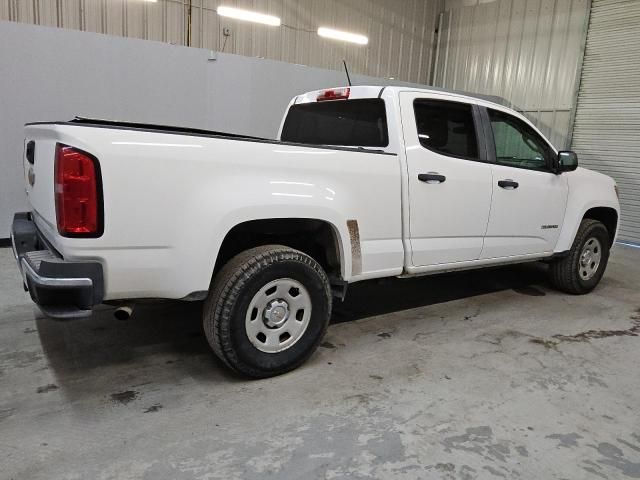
[400, 33]
[54, 74]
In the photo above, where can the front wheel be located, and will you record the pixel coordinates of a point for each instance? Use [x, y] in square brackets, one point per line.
[268, 310]
[581, 270]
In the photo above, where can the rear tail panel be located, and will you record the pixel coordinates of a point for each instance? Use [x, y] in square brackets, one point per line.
[39, 161]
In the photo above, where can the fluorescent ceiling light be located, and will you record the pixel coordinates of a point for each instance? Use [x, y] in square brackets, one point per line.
[344, 36]
[249, 16]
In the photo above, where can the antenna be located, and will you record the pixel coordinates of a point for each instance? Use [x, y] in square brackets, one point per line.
[346, 70]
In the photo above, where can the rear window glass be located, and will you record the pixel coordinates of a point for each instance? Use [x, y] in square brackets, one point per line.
[358, 123]
[447, 128]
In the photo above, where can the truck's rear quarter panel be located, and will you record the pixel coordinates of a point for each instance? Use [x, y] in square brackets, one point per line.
[170, 199]
[40, 189]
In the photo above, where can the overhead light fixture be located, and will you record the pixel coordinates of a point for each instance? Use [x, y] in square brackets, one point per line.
[248, 15]
[344, 36]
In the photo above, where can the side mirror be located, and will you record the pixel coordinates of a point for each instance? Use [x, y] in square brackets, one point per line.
[567, 161]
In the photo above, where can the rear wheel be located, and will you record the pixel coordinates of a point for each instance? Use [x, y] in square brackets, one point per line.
[268, 310]
[581, 270]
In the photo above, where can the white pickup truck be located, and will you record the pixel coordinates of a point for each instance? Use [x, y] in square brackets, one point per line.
[362, 182]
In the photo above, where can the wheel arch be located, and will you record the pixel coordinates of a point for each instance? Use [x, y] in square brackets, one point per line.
[604, 212]
[319, 238]
[607, 216]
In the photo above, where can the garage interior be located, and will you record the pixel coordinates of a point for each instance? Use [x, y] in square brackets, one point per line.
[468, 375]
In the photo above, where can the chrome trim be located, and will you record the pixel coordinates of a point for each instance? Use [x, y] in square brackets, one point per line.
[28, 271]
[13, 247]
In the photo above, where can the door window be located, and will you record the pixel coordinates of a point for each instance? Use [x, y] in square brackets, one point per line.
[517, 144]
[446, 127]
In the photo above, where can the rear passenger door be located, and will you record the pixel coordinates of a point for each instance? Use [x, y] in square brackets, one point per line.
[529, 200]
[449, 181]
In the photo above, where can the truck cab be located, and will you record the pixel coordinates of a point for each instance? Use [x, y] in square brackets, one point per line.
[481, 184]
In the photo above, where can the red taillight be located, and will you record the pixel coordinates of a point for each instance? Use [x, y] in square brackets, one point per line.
[334, 94]
[78, 193]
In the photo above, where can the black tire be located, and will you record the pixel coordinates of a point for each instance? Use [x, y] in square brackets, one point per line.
[565, 272]
[231, 294]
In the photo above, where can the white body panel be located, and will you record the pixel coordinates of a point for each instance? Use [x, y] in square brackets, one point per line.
[170, 199]
[518, 215]
[587, 190]
[447, 221]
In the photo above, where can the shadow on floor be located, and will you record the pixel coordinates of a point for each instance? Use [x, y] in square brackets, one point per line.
[169, 334]
[377, 297]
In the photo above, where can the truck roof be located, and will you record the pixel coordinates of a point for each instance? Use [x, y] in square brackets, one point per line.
[369, 91]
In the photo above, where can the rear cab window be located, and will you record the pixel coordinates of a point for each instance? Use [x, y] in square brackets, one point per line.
[350, 123]
[447, 128]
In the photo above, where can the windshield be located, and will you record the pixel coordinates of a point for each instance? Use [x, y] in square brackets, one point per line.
[356, 123]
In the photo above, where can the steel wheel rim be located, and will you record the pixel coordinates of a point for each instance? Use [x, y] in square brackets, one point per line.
[590, 258]
[278, 315]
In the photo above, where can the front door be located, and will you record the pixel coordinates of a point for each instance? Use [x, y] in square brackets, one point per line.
[529, 200]
[449, 179]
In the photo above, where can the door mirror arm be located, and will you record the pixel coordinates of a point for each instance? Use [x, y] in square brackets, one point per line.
[555, 165]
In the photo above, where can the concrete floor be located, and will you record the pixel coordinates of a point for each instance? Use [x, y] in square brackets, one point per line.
[485, 374]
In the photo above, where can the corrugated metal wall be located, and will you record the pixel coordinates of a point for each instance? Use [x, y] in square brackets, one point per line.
[401, 33]
[607, 123]
[527, 51]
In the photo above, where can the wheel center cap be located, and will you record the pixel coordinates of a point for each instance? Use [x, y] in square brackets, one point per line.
[276, 313]
[586, 258]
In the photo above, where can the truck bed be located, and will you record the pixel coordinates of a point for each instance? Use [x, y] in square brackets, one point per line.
[170, 195]
[194, 132]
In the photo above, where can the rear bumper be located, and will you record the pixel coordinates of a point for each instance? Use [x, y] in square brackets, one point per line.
[62, 289]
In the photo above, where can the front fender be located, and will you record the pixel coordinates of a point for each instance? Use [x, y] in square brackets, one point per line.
[587, 190]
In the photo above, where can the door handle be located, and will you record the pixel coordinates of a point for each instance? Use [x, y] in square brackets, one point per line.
[431, 177]
[508, 184]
